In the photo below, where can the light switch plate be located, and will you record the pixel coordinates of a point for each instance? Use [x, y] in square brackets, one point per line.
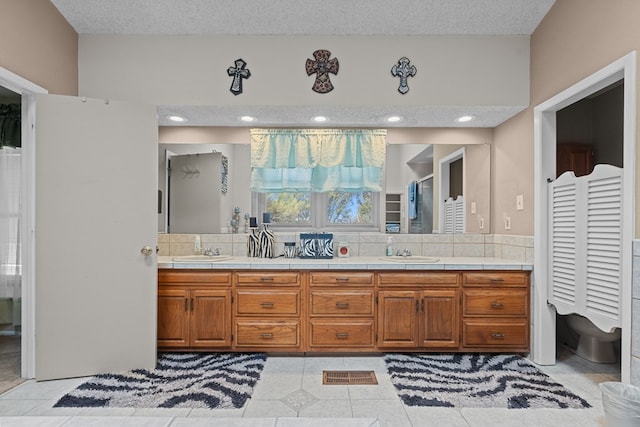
[519, 202]
[473, 207]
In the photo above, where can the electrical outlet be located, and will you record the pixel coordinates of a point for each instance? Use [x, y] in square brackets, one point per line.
[507, 223]
[519, 202]
[481, 223]
[473, 207]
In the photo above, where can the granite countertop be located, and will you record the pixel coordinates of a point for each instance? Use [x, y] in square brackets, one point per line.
[351, 263]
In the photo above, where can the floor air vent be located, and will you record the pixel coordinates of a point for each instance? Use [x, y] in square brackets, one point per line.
[349, 377]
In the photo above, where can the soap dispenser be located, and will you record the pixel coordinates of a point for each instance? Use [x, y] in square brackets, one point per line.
[197, 247]
[389, 246]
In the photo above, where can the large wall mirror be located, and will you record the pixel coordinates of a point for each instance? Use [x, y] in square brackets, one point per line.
[200, 184]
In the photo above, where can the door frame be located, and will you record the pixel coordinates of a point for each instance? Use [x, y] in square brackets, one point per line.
[27, 90]
[543, 349]
[443, 186]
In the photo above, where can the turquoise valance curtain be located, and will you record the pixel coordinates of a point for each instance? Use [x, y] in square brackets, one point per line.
[317, 160]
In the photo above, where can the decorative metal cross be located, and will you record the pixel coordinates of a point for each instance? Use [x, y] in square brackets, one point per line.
[403, 70]
[238, 72]
[322, 66]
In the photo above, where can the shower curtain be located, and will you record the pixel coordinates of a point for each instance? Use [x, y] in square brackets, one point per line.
[10, 251]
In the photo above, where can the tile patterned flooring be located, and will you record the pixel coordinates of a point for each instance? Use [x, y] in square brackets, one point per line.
[290, 393]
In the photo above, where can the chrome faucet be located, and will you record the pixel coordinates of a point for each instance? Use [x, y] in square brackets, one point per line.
[405, 252]
[211, 252]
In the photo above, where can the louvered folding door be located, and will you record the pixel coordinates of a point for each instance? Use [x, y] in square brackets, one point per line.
[585, 245]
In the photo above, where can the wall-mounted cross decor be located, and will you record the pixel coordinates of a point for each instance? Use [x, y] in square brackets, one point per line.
[403, 70]
[322, 66]
[238, 72]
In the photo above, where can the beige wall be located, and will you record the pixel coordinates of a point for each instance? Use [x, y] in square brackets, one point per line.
[191, 70]
[38, 44]
[575, 39]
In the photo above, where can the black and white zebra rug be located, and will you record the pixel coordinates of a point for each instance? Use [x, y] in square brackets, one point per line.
[180, 380]
[476, 380]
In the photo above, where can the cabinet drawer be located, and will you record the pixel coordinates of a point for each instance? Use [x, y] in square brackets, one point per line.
[338, 303]
[282, 278]
[495, 333]
[509, 302]
[418, 278]
[265, 303]
[275, 333]
[502, 278]
[341, 278]
[193, 276]
[342, 333]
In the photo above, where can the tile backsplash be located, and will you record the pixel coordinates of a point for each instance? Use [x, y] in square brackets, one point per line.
[518, 248]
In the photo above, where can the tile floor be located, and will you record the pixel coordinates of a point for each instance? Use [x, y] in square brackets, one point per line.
[290, 393]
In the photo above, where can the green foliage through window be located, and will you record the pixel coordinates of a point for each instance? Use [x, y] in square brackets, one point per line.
[289, 208]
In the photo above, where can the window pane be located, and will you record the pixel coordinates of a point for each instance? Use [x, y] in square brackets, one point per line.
[289, 208]
[350, 208]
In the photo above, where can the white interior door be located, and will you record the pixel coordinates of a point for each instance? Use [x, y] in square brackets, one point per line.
[96, 208]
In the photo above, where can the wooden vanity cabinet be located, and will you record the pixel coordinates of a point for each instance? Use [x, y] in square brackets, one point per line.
[194, 309]
[344, 310]
[495, 311]
[341, 311]
[418, 310]
[268, 310]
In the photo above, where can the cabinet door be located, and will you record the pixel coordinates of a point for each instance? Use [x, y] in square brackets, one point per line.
[173, 318]
[210, 318]
[397, 319]
[439, 316]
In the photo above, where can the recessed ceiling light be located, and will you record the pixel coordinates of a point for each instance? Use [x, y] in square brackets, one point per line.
[320, 119]
[394, 119]
[247, 118]
[176, 118]
[467, 118]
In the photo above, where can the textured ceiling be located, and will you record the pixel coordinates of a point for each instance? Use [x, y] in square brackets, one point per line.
[305, 17]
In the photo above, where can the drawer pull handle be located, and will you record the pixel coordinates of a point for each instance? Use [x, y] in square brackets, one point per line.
[266, 335]
[192, 304]
[186, 304]
[497, 304]
[267, 279]
[342, 335]
[497, 335]
[496, 279]
[266, 304]
[342, 305]
[342, 279]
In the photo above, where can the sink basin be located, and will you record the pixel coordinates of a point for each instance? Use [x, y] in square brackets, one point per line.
[412, 259]
[201, 258]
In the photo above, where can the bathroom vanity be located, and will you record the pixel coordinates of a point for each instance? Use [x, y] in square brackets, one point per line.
[353, 305]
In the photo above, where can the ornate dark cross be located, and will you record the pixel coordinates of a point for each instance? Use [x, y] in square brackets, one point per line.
[322, 66]
[238, 72]
[403, 70]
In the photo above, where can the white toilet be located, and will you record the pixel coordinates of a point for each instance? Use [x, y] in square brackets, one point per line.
[594, 344]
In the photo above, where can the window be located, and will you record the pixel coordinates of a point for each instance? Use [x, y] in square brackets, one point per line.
[349, 208]
[318, 178]
[336, 209]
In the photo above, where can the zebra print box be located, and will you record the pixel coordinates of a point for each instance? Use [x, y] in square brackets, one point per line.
[316, 245]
